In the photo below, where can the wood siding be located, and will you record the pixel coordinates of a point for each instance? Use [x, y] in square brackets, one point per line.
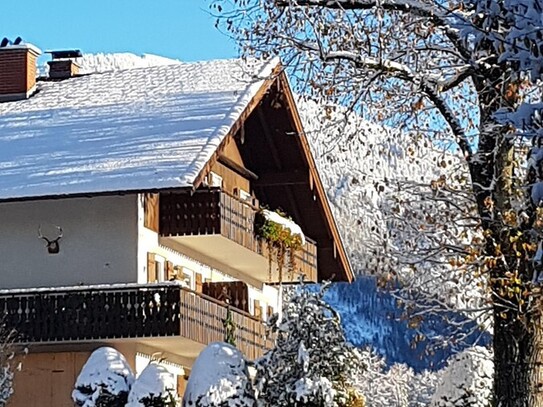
[230, 179]
[215, 212]
[47, 379]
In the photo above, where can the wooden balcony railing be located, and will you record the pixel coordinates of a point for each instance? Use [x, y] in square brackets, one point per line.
[131, 311]
[215, 212]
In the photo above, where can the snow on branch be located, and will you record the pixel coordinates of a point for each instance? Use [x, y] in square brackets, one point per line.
[403, 72]
[439, 16]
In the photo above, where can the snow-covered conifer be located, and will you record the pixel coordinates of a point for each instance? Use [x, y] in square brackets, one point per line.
[219, 378]
[466, 381]
[6, 365]
[154, 387]
[312, 364]
[104, 381]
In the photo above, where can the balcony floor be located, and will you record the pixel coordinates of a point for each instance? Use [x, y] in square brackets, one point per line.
[218, 251]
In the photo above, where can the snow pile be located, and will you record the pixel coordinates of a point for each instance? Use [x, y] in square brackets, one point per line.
[219, 377]
[308, 390]
[105, 379]
[100, 63]
[285, 223]
[311, 364]
[155, 386]
[467, 380]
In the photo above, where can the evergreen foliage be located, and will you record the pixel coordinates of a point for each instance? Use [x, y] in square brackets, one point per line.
[312, 364]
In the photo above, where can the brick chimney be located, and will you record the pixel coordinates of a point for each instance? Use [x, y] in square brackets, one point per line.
[17, 70]
[62, 66]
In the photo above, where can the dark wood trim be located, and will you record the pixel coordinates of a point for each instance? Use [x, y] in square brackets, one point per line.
[96, 194]
[234, 166]
[282, 178]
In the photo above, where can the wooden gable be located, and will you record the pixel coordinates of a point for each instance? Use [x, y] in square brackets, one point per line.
[274, 155]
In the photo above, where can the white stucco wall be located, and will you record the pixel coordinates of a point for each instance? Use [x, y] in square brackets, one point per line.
[99, 245]
[148, 241]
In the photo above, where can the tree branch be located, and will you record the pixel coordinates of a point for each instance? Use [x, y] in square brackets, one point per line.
[407, 6]
[403, 72]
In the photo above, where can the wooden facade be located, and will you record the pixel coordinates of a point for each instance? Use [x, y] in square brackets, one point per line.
[215, 212]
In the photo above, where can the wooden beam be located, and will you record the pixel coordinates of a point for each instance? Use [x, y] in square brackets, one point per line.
[234, 166]
[269, 139]
[283, 178]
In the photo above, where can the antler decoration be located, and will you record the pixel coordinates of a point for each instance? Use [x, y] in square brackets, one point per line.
[53, 245]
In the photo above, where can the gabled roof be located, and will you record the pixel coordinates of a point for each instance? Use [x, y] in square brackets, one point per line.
[100, 133]
[162, 128]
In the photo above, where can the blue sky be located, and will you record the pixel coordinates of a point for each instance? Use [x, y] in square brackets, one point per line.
[181, 29]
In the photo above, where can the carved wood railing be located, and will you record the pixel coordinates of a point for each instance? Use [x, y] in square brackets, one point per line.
[215, 212]
[131, 311]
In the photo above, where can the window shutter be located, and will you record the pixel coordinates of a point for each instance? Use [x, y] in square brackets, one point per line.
[257, 309]
[270, 311]
[151, 268]
[199, 283]
[151, 211]
[168, 270]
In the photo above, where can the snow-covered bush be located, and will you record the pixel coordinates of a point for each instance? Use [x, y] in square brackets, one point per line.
[6, 365]
[467, 380]
[154, 387]
[219, 378]
[104, 381]
[397, 386]
[312, 364]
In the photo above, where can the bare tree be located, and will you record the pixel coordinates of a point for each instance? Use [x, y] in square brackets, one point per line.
[460, 74]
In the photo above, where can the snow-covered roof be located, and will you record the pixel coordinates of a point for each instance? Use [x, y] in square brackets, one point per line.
[123, 130]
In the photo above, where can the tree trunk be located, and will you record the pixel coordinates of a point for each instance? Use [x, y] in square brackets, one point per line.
[518, 359]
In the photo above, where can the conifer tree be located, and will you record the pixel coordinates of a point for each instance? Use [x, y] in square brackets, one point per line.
[312, 364]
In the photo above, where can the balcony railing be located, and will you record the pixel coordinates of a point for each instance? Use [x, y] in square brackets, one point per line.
[131, 311]
[215, 212]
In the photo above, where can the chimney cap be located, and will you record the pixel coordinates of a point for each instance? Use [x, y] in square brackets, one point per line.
[7, 45]
[65, 54]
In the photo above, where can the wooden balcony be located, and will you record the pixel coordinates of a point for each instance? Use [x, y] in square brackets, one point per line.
[220, 227]
[127, 312]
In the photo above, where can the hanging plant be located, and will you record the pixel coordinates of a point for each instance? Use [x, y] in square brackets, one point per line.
[282, 236]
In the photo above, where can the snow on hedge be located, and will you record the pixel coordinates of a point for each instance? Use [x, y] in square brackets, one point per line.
[285, 223]
[467, 380]
[155, 386]
[219, 378]
[105, 380]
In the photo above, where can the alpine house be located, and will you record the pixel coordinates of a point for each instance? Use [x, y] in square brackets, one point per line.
[138, 205]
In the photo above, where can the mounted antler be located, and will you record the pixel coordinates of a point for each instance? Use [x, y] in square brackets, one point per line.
[53, 246]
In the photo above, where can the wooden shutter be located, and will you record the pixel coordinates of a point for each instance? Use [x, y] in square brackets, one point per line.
[199, 283]
[168, 270]
[151, 268]
[151, 211]
[269, 311]
[181, 385]
[257, 309]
